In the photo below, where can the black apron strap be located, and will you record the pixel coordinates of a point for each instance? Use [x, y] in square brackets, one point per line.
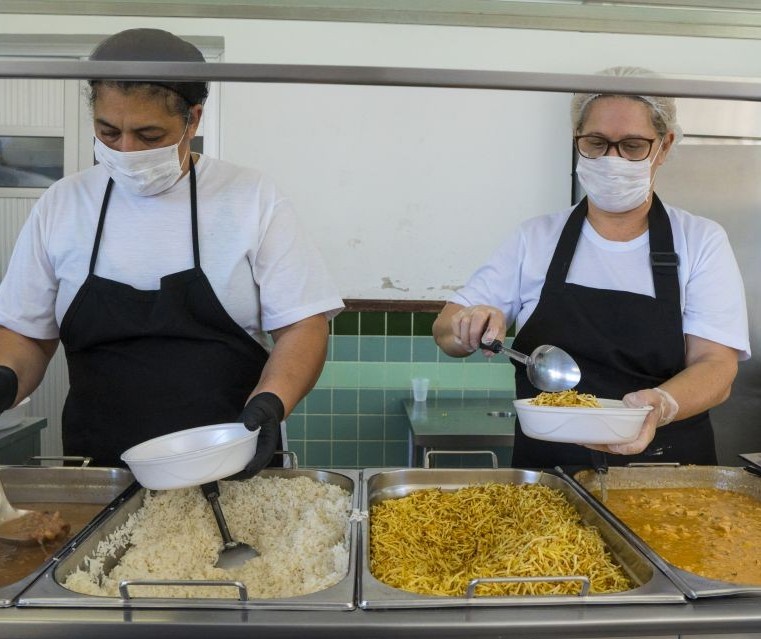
[664, 261]
[101, 220]
[194, 214]
[566, 247]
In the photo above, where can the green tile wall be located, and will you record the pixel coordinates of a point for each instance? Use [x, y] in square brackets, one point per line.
[354, 417]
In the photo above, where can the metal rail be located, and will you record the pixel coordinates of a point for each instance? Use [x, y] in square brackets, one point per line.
[384, 76]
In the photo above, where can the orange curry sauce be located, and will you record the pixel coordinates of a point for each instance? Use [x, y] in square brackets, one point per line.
[711, 532]
[16, 562]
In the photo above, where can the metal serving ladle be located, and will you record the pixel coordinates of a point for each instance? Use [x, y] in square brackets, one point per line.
[234, 553]
[549, 368]
[7, 514]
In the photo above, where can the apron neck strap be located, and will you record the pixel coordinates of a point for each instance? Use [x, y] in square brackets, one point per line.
[566, 246]
[664, 261]
[194, 213]
[101, 220]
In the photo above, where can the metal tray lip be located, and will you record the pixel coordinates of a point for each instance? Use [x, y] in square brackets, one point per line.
[36, 595]
[11, 593]
[691, 584]
[398, 599]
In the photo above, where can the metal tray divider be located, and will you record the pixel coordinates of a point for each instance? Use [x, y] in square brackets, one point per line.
[95, 522]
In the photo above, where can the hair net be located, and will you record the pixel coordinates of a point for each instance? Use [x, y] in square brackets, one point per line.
[154, 45]
[662, 108]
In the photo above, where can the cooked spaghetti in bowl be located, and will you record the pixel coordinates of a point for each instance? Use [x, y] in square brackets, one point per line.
[579, 418]
[566, 398]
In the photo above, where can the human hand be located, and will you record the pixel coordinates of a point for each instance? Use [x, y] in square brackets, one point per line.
[8, 388]
[475, 324]
[264, 411]
[664, 409]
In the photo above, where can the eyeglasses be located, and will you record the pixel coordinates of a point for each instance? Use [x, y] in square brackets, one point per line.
[632, 149]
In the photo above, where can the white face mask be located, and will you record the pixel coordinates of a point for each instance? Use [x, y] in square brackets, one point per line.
[146, 172]
[615, 184]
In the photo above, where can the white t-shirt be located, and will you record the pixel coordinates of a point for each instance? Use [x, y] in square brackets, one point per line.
[712, 292]
[263, 268]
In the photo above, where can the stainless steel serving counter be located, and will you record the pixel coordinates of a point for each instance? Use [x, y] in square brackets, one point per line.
[730, 617]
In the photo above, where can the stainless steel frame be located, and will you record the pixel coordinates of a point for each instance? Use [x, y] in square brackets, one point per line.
[379, 485]
[48, 591]
[382, 76]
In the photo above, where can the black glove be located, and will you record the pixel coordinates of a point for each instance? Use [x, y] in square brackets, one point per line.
[264, 411]
[8, 388]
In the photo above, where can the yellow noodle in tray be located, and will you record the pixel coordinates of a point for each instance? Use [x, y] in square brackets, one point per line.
[566, 398]
[433, 542]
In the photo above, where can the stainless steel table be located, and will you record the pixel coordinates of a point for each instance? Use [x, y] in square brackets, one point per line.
[459, 424]
[18, 444]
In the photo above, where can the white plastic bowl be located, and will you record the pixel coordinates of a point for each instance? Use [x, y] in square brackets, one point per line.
[192, 457]
[612, 424]
[13, 416]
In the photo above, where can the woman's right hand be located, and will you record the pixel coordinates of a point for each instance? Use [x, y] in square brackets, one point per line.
[459, 330]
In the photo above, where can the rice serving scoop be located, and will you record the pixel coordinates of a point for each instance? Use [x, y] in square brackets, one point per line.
[234, 553]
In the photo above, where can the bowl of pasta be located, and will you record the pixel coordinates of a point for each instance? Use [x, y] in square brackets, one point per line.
[579, 418]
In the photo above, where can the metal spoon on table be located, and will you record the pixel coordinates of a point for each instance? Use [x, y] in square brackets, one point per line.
[234, 553]
[549, 368]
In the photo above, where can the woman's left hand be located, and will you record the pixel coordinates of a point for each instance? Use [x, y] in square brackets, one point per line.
[664, 410]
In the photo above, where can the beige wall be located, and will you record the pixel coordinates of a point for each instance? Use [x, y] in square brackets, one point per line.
[433, 176]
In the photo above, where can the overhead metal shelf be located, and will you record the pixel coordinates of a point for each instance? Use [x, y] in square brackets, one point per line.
[729, 89]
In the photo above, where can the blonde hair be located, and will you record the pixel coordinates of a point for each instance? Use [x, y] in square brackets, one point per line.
[662, 109]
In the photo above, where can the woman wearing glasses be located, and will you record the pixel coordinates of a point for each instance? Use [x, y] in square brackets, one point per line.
[647, 298]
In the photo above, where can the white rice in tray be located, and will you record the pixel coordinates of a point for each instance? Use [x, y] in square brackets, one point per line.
[299, 525]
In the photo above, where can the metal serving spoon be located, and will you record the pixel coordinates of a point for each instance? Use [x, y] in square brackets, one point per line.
[234, 553]
[9, 514]
[549, 368]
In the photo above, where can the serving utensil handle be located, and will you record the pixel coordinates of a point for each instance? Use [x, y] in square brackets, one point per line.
[497, 347]
[211, 491]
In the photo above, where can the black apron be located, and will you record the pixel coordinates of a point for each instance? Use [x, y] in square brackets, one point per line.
[144, 363]
[622, 342]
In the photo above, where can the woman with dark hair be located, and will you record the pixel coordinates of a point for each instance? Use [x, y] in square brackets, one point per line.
[163, 273]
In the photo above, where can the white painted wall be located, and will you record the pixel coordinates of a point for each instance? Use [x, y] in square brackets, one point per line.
[405, 190]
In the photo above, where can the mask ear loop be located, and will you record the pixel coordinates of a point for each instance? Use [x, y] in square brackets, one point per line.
[187, 124]
[652, 179]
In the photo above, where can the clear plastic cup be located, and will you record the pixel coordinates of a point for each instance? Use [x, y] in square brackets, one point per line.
[420, 388]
